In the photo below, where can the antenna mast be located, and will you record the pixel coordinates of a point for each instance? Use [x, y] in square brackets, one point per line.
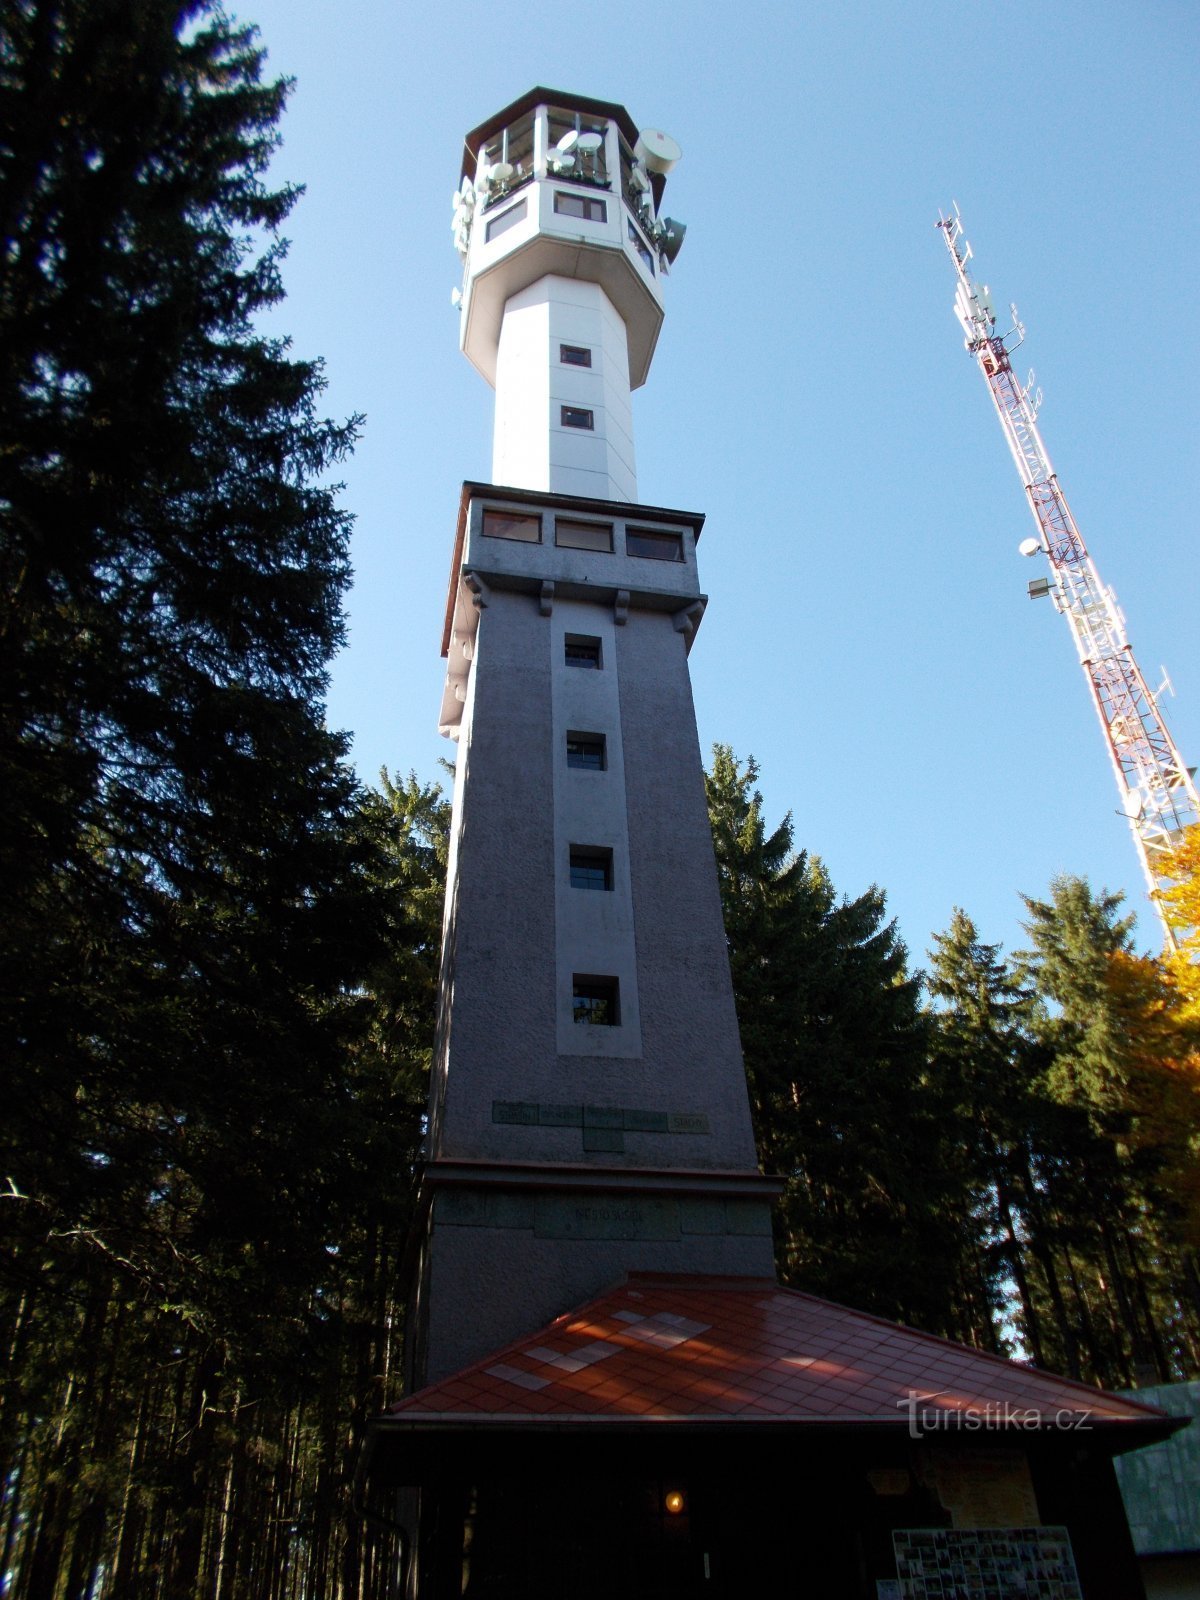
[1158, 794]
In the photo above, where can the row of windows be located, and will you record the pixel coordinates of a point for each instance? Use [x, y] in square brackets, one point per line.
[649, 543]
[595, 1001]
[582, 206]
[585, 207]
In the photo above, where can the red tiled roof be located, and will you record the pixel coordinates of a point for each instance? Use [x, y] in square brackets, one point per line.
[704, 1350]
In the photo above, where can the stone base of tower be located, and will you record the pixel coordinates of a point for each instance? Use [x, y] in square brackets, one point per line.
[507, 1248]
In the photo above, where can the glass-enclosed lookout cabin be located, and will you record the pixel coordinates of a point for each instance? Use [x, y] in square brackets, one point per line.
[563, 185]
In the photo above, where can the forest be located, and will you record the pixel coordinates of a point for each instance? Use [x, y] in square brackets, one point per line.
[220, 949]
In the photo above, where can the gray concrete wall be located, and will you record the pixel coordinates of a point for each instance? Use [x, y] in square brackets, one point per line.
[518, 932]
[516, 1078]
[689, 1024]
[503, 1266]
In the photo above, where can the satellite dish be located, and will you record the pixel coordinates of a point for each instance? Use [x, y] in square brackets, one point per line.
[562, 163]
[568, 141]
[456, 298]
[657, 150]
[501, 172]
[638, 180]
[671, 242]
[590, 141]
[1132, 804]
[1029, 547]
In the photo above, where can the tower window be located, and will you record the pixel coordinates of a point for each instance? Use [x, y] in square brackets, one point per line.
[591, 868]
[638, 243]
[506, 220]
[583, 535]
[577, 417]
[654, 546]
[513, 525]
[581, 651]
[586, 750]
[575, 355]
[583, 206]
[595, 1001]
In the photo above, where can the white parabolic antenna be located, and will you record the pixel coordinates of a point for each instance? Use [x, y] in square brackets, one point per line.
[1029, 547]
[657, 150]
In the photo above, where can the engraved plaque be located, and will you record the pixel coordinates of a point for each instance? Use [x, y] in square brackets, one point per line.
[560, 1116]
[522, 1111]
[603, 1117]
[466, 1208]
[687, 1122]
[645, 1121]
[616, 1216]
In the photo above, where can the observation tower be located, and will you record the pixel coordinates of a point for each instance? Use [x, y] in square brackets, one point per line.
[588, 1110]
[609, 1393]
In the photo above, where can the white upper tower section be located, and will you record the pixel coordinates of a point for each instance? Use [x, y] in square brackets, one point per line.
[558, 221]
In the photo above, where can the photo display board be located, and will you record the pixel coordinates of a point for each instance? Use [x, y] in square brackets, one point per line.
[984, 1564]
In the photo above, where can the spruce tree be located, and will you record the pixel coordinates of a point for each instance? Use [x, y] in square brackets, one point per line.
[191, 903]
[989, 1065]
[1107, 1171]
[172, 575]
[835, 1047]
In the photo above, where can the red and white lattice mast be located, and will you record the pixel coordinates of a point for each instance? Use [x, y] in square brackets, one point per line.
[1158, 793]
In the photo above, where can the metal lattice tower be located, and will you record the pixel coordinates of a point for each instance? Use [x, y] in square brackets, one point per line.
[1158, 793]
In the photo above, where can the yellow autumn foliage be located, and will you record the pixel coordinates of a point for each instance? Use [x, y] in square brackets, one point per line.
[1181, 904]
[1161, 1024]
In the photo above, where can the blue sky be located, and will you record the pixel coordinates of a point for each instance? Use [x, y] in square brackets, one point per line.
[868, 636]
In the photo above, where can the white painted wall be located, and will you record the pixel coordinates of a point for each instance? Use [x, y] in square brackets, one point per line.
[531, 447]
